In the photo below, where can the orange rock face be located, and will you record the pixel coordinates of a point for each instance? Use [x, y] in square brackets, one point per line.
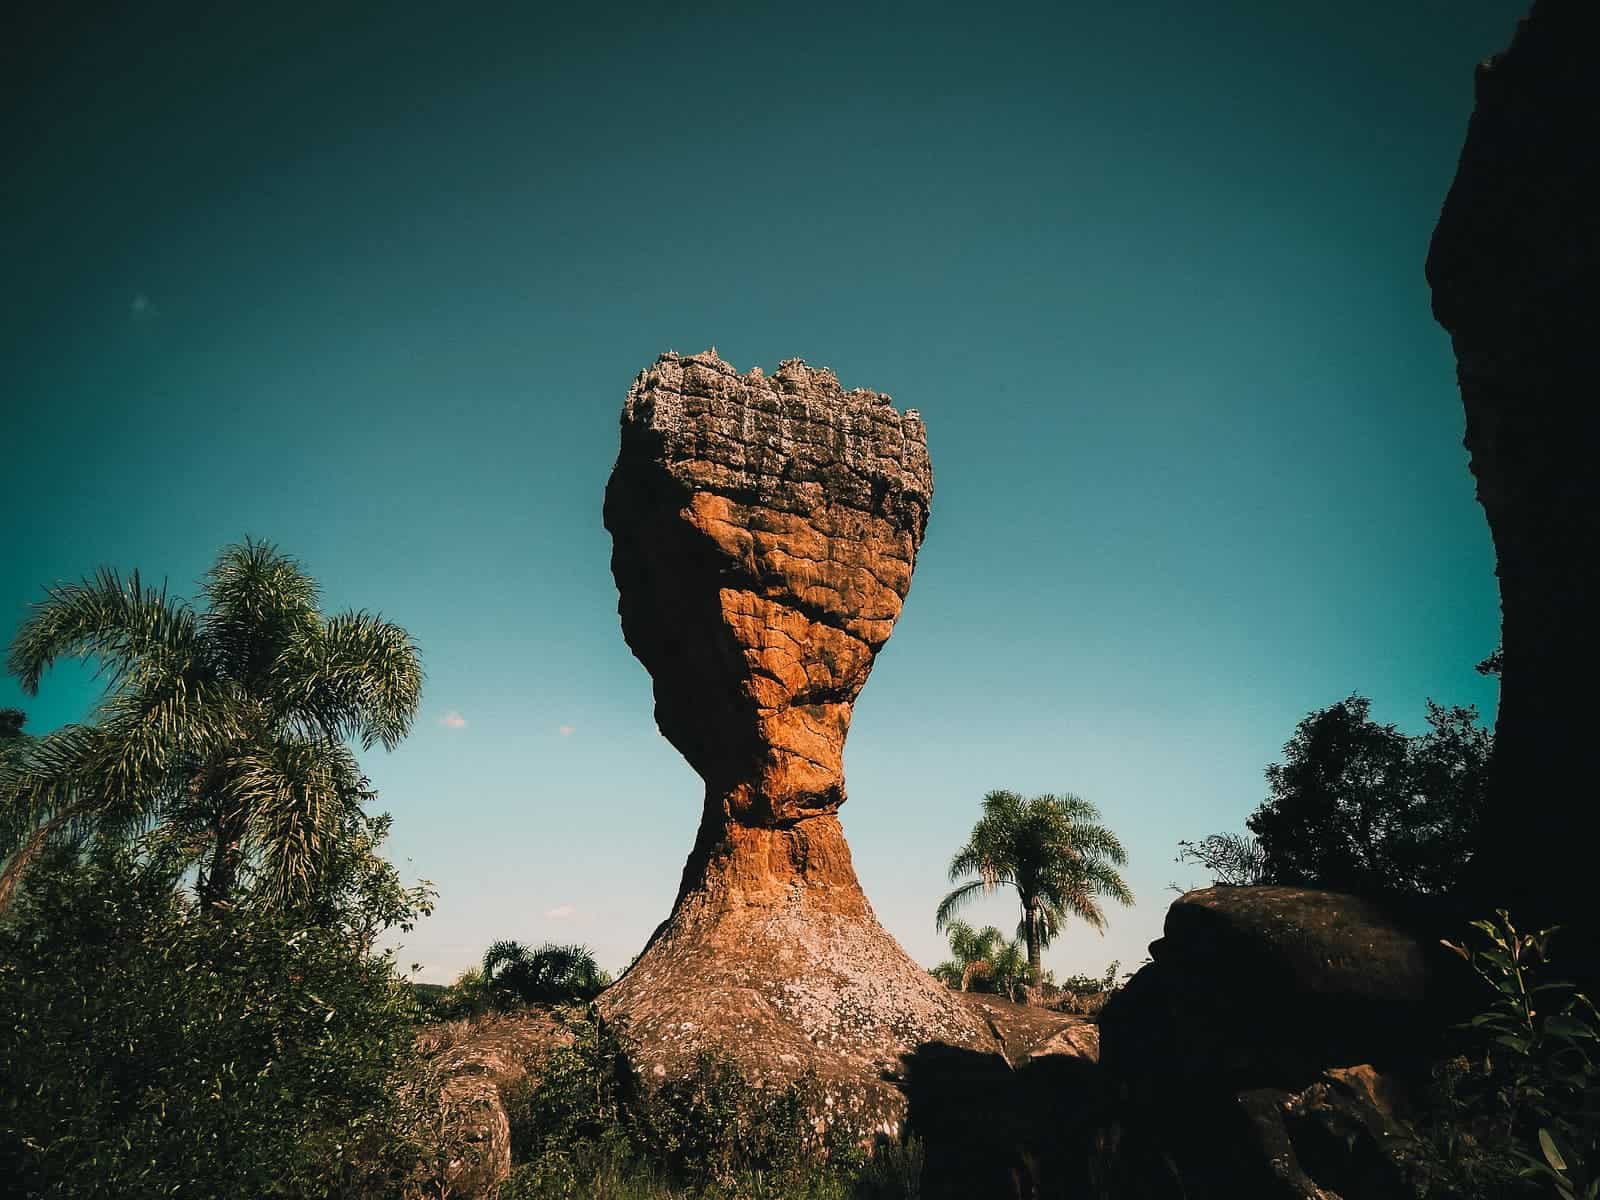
[765, 530]
[764, 533]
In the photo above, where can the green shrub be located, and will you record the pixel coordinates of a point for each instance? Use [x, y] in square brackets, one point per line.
[585, 1127]
[514, 975]
[1542, 1058]
[1516, 1113]
[154, 1049]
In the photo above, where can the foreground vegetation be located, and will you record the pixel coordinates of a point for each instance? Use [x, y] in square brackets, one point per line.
[193, 890]
[1515, 1111]
[583, 1127]
[153, 1049]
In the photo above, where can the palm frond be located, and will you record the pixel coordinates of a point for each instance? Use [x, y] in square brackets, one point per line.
[355, 676]
[258, 601]
[504, 953]
[130, 628]
[295, 795]
[963, 939]
[955, 901]
[1104, 880]
[1002, 806]
[1072, 807]
[47, 792]
[1096, 841]
[39, 840]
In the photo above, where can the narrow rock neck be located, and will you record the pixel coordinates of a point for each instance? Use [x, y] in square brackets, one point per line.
[802, 862]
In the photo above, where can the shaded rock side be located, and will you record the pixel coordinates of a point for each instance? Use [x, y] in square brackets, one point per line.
[1259, 986]
[1261, 1050]
[1514, 267]
[764, 534]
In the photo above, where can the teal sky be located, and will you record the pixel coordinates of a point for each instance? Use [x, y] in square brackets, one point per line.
[372, 283]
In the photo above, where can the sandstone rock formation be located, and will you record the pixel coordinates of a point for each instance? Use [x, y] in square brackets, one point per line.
[474, 1062]
[1514, 267]
[764, 534]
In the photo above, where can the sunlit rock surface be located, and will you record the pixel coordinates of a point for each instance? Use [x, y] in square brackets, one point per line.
[764, 533]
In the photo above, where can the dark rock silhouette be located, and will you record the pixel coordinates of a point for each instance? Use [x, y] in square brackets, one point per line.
[1270, 986]
[1261, 1050]
[1514, 267]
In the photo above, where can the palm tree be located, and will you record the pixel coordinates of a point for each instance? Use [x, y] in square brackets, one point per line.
[1053, 851]
[981, 957]
[224, 729]
[549, 975]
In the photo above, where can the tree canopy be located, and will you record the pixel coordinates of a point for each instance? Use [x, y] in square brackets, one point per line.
[224, 726]
[1360, 806]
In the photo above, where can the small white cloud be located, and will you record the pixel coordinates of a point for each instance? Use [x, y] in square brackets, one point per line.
[560, 912]
[567, 730]
[453, 720]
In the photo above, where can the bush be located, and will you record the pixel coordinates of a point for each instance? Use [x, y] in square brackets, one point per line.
[1087, 994]
[586, 1127]
[1516, 1113]
[1543, 1057]
[152, 1049]
[1356, 806]
[551, 974]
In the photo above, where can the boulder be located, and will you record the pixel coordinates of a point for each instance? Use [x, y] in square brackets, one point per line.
[1268, 986]
[472, 1063]
[1265, 1048]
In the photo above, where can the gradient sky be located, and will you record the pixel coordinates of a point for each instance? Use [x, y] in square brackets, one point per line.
[372, 283]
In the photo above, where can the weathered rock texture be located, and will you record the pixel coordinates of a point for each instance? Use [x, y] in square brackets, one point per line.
[764, 533]
[474, 1063]
[1515, 269]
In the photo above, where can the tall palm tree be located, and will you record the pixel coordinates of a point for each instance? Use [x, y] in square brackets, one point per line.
[1054, 852]
[226, 728]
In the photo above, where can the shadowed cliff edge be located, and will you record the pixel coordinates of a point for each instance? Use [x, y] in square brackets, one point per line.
[1513, 266]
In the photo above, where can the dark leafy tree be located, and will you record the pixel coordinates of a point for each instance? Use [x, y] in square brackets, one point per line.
[551, 974]
[1361, 807]
[226, 726]
[1053, 851]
